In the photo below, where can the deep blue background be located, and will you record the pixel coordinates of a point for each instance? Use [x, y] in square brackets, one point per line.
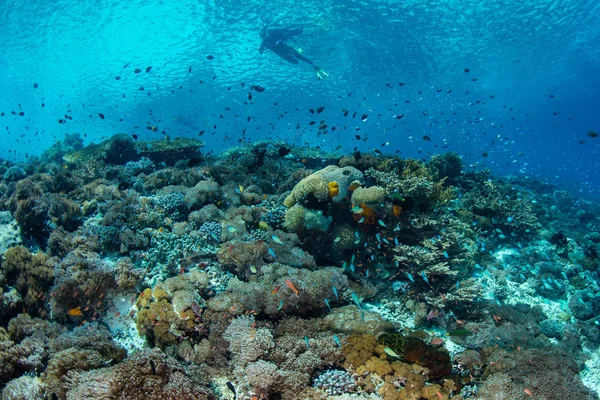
[519, 52]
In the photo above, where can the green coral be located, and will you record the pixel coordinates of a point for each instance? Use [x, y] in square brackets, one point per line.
[373, 195]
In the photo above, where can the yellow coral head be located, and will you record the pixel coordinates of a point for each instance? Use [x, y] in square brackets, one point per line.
[334, 189]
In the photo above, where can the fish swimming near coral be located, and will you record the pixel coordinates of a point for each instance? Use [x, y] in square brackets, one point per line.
[75, 312]
[391, 352]
[460, 333]
[232, 388]
[291, 286]
[276, 239]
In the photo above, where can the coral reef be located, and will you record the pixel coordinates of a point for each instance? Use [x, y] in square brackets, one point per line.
[270, 272]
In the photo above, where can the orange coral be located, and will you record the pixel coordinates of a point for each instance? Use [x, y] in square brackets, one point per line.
[334, 189]
[369, 214]
[397, 210]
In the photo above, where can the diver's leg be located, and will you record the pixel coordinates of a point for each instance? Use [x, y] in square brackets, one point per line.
[287, 57]
[306, 60]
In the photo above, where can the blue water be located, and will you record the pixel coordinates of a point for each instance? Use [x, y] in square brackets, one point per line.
[540, 60]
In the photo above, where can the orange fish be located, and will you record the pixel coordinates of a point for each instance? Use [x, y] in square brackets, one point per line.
[527, 392]
[75, 312]
[275, 290]
[290, 285]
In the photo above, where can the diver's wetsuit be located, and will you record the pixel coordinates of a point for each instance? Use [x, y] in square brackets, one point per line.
[274, 40]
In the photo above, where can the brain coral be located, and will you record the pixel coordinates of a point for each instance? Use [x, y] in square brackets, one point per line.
[371, 195]
[317, 184]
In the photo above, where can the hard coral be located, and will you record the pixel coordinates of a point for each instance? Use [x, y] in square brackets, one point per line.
[31, 275]
[205, 192]
[316, 185]
[239, 256]
[82, 281]
[161, 322]
[373, 196]
[147, 375]
[273, 292]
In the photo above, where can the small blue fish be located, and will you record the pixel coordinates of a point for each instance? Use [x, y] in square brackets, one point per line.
[424, 277]
[231, 229]
[446, 255]
[352, 268]
[337, 239]
[357, 210]
[396, 241]
[272, 252]
[337, 340]
[306, 341]
[367, 274]
[335, 292]
[380, 222]
[410, 277]
[355, 299]
[360, 221]
[510, 219]
[386, 241]
[276, 240]
[357, 234]
[280, 305]
[378, 237]
[564, 275]
[327, 303]
[457, 285]
[212, 235]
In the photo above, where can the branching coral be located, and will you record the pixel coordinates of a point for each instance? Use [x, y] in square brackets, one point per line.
[419, 190]
[502, 205]
[438, 262]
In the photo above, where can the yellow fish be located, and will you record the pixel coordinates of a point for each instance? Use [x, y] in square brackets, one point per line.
[391, 352]
[241, 188]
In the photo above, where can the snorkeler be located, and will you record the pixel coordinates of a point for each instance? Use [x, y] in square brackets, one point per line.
[274, 40]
